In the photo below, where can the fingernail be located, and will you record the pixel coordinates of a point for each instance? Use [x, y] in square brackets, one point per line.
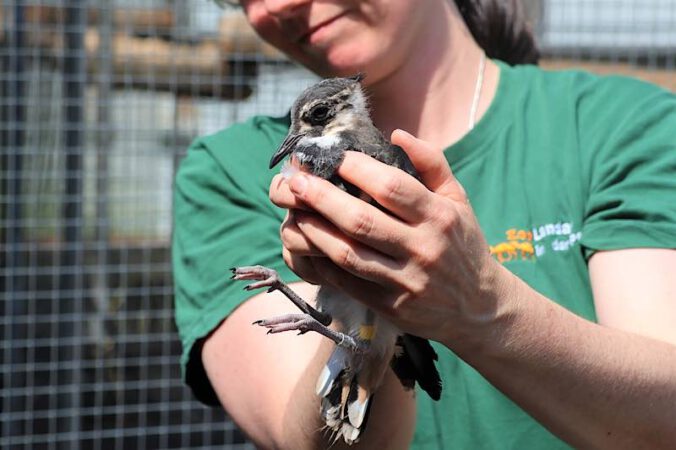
[298, 184]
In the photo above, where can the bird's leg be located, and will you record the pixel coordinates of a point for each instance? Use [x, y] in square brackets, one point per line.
[312, 320]
[269, 278]
[304, 323]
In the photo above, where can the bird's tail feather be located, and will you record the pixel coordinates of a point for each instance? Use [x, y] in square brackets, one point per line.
[345, 402]
[358, 402]
[417, 362]
[331, 372]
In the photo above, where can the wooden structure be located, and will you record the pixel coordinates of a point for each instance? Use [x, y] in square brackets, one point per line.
[146, 51]
[142, 49]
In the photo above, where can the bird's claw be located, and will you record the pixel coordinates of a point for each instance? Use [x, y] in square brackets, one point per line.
[269, 278]
[265, 276]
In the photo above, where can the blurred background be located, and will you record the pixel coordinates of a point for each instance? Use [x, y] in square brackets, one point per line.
[98, 103]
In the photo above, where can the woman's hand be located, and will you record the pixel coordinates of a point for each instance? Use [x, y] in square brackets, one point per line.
[426, 265]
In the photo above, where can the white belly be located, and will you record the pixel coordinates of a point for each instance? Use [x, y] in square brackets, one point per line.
[352, 315]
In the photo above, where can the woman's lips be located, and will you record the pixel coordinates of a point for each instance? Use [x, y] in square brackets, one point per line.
[305, 37]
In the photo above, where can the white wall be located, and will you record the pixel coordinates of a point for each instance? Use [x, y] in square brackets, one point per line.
[610, 24]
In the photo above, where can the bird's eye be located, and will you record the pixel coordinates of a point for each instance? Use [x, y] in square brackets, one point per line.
[319, 114]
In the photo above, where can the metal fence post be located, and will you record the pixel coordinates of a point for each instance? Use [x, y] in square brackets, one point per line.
[71, 301]
[12, 142]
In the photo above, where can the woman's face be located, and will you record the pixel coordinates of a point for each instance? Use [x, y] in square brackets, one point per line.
[342, 37]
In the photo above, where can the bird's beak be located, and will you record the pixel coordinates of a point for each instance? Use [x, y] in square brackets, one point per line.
[285, 149]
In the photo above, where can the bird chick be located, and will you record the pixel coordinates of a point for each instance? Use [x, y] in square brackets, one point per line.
[328, 119]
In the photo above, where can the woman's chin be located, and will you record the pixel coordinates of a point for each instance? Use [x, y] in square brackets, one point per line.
[336, 59]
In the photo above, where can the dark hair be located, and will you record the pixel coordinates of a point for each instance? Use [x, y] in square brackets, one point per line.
[501, 28]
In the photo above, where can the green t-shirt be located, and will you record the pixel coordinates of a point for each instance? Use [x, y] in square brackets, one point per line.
[561, 165]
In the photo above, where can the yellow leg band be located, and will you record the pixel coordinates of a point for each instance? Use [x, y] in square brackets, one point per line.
[366, 332]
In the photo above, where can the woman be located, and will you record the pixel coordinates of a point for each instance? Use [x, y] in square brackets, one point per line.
[542, 264]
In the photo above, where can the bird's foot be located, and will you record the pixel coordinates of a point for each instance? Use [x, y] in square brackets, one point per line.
[270, 279]
[304, 323]
[265, 277]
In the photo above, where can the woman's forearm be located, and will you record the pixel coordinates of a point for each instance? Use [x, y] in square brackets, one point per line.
[593, 386]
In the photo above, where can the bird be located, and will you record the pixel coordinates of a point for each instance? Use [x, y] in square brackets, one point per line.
[328, 119]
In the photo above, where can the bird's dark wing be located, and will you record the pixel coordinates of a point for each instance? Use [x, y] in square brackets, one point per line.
[416, 363]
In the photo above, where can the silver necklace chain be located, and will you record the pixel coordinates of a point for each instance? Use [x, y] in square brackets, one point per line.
[477, 90]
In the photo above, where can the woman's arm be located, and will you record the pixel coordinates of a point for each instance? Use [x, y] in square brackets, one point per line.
[594, 385]
[266, 383]
[429, 271]
[635, 290]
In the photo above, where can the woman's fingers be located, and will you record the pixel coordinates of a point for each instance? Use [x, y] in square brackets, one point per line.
[431, 164]
[294, 240]
[350, 255]
[392, 188]
[303, 266]
[281, 195]
[354, 217]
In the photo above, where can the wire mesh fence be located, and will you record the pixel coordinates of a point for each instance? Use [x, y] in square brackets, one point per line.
[98, 102]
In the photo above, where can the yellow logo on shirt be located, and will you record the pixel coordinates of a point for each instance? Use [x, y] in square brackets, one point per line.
[518, 246]
[528, 245]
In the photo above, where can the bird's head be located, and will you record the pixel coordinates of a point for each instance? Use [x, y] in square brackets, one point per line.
[325, 109]
[329, 104]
